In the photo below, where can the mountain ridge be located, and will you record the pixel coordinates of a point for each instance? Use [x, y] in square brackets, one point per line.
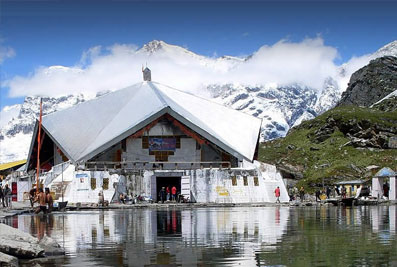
[341, 143]
[279, 106]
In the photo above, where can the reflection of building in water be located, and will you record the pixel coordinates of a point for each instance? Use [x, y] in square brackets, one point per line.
[168, 236]
[198, 230]
[393, 219]
[383, 218]
[228, 236]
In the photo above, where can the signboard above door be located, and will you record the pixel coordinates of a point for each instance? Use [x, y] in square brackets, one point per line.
[162, 144]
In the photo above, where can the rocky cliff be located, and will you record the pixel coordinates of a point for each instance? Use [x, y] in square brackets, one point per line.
[347, 141]
[371, 83]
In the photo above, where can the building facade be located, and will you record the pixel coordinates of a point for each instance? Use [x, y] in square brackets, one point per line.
[147, 136]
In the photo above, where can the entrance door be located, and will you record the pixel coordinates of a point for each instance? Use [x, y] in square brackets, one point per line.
[164, 181]
[23, 187]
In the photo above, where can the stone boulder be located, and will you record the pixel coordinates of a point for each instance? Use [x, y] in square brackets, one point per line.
[51, 247]
[10, 233]
[22, 245]
[21, 249]
[7, 260]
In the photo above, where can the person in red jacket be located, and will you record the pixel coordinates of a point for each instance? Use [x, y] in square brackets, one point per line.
[277, 194]
[167, 190]
[173, 192]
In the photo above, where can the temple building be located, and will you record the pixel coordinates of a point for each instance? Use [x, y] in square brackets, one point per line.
[147, 136]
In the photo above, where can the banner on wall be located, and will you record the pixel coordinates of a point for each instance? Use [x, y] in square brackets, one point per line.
[162, 144]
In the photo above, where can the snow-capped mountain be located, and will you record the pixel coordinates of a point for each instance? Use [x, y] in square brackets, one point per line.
[388, 50]
[280, 106]
[15, 136]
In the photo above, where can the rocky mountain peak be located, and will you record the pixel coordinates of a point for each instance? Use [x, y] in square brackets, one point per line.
[371, 83]
[153, 46]
[388, 50]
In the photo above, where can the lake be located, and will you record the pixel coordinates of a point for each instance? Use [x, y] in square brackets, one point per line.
[232, 236]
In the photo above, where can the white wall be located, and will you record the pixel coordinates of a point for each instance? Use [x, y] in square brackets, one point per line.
[215, 185]
[79, 188]
[206, 185]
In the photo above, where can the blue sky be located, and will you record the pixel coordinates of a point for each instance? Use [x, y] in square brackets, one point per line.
[45, 33]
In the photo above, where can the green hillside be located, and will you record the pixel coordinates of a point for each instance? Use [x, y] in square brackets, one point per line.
[337, 145]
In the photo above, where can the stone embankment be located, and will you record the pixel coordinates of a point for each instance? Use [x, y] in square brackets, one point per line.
[16, 244]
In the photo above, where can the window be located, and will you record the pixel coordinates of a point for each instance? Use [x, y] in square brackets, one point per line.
[234, 180]
[145, 142]
[162, 155]
[178, 142]
[256, 181]
[245, 178]
[124, 145]
[105, 184]
[93, 183]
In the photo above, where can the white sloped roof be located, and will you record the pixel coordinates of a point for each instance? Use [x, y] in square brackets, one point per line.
[89, 128]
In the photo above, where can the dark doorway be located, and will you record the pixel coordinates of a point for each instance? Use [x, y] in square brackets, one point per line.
[164, 181]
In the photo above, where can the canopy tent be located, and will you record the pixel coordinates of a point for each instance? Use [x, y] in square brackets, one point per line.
[385, 172]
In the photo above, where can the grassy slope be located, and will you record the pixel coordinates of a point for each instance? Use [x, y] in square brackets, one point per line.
[331, 161]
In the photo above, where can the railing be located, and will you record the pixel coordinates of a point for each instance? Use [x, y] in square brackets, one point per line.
[154, 165]
[55, 172]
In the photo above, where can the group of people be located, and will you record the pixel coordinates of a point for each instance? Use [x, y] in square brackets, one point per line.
[43, 198]
[5, 196]
[294, 192]
[167, 194]
[326, 191]
[341, 192]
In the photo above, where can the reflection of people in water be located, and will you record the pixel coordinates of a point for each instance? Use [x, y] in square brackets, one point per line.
[278, 215]
[174, 221]
[169, 222]
[42, 225]
[49, 224]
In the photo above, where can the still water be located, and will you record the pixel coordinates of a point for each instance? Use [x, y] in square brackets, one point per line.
[237, 236]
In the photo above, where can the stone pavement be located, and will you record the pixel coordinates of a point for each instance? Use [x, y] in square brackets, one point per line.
[17, 208]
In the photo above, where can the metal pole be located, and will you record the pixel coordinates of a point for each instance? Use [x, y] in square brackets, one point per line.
[62, 182]
[38, 147]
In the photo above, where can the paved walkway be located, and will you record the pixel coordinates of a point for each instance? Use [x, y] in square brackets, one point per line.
[22, 207]
[17, 208]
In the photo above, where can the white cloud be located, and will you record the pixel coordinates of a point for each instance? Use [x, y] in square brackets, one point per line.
[8, 113]
[6, 52]
[350, 67]
[307, 62]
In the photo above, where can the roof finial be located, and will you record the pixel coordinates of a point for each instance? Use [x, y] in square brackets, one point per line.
[147, 75]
